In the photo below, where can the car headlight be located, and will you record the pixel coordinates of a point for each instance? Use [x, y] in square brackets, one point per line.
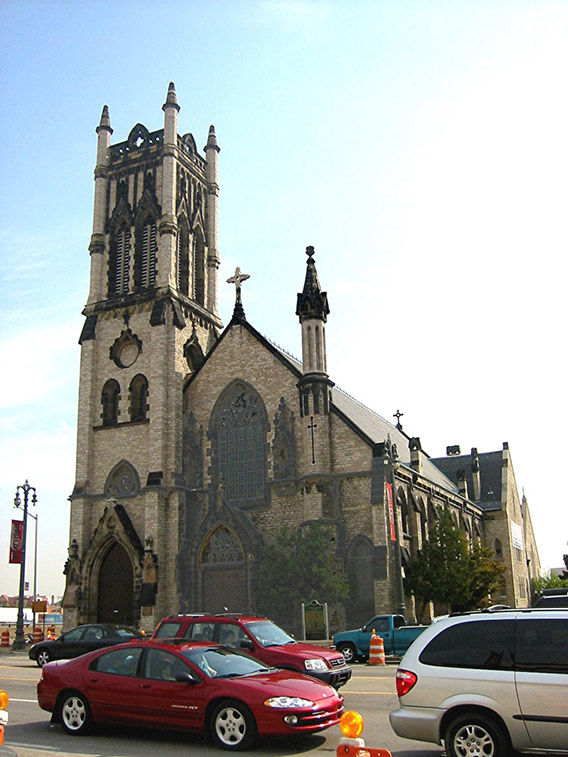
[315, 665]
[284, 702]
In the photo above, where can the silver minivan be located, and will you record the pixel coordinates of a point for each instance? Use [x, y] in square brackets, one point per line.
[487, 683]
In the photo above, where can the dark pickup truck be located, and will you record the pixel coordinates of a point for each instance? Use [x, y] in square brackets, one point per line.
[396, 636]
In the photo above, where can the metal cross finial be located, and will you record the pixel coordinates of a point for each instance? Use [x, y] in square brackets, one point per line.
[237, 280]
[398, 415]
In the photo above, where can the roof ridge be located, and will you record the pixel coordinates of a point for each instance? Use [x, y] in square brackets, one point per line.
[336, 386]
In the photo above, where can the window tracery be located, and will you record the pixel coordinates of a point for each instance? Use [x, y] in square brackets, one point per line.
[238, 430]
[223, 546]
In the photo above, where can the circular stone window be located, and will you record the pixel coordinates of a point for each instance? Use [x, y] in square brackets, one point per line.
[128, 354]
[124, 352]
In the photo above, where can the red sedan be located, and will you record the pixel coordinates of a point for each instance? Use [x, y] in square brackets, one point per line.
[180, 685]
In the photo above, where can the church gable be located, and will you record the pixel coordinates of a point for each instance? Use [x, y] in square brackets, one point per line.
[244, 387]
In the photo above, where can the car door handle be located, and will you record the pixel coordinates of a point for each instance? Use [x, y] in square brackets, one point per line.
[145, 685]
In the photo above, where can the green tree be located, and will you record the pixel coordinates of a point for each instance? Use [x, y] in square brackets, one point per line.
[448, 571]
[295, 570]
[548, 581]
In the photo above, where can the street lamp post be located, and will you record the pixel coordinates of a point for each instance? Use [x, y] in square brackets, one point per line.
[19, 641]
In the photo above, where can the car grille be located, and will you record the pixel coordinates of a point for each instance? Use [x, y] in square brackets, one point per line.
[338, 679]
[338, 662]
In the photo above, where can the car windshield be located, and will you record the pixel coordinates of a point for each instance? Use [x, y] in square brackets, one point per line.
[268, 634]
[125, 631]
[220, 662]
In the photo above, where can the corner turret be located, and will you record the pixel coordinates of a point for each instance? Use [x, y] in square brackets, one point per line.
[312, 309]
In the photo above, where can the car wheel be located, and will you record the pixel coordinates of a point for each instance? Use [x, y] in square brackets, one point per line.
[476, 735]
[232, 725]
[349, 653]
[75, 713]
[43, 657]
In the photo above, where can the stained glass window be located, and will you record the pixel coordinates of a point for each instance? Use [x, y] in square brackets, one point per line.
[241, 445]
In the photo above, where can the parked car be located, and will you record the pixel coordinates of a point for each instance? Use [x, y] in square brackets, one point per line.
[78, 641]
[261, 638]
[553, 598]
[193, 686]
[487, 683]
[396, 636]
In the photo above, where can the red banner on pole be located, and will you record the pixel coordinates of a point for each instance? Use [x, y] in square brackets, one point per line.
[16, 541]
[390, 503]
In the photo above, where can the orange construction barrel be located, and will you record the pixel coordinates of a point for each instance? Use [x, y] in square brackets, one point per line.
[377, 650]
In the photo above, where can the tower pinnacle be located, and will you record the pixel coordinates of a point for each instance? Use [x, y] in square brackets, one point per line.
[105, 121]
[312, 302]
[171, 98]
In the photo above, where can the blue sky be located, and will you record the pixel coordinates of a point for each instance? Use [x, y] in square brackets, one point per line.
[419, 146]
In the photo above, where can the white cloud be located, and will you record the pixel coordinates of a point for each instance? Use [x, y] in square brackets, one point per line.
[37, 362]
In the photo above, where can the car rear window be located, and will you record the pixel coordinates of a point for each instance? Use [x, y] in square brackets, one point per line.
[477, 644]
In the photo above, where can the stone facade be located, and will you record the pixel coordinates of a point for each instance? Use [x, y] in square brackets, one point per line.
[197, 444]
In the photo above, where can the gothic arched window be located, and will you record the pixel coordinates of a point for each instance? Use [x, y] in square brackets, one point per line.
[498, 549]
[138, 398]
[182, 257]
[119, 261]
[222, 546]
[146, 254]
[198, 267]
[238, 432]
[404, 519]
[360, 572]
[109, 399]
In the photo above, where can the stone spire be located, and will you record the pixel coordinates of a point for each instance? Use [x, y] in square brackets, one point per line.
[171, 98]
[312, 309]
[105, 120]
[212, 199]
[312, 302]
[97, 243]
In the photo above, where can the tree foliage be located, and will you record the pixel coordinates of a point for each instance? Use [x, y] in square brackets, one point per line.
[299, 569]
[548, 581]
[449, 572]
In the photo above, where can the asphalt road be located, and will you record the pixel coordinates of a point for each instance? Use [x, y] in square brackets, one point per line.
[371, 692]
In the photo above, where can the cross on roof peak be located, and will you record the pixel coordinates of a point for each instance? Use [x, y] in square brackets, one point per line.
[237, 280]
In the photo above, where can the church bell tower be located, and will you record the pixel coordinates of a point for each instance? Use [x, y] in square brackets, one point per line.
[151, 317]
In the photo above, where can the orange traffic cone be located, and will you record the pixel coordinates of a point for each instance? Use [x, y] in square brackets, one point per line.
[377, 650]
[5, 638]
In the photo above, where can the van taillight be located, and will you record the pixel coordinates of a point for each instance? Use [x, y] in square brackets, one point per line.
[405, 680]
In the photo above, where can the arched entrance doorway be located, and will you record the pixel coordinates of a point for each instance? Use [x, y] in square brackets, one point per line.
[361, 583]
[115, 603]
[222, 572]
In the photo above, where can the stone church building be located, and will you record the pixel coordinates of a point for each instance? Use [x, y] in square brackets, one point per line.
[197, 443]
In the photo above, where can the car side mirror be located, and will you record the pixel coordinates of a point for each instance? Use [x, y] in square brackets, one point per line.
[186, 678]
[246, 644]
